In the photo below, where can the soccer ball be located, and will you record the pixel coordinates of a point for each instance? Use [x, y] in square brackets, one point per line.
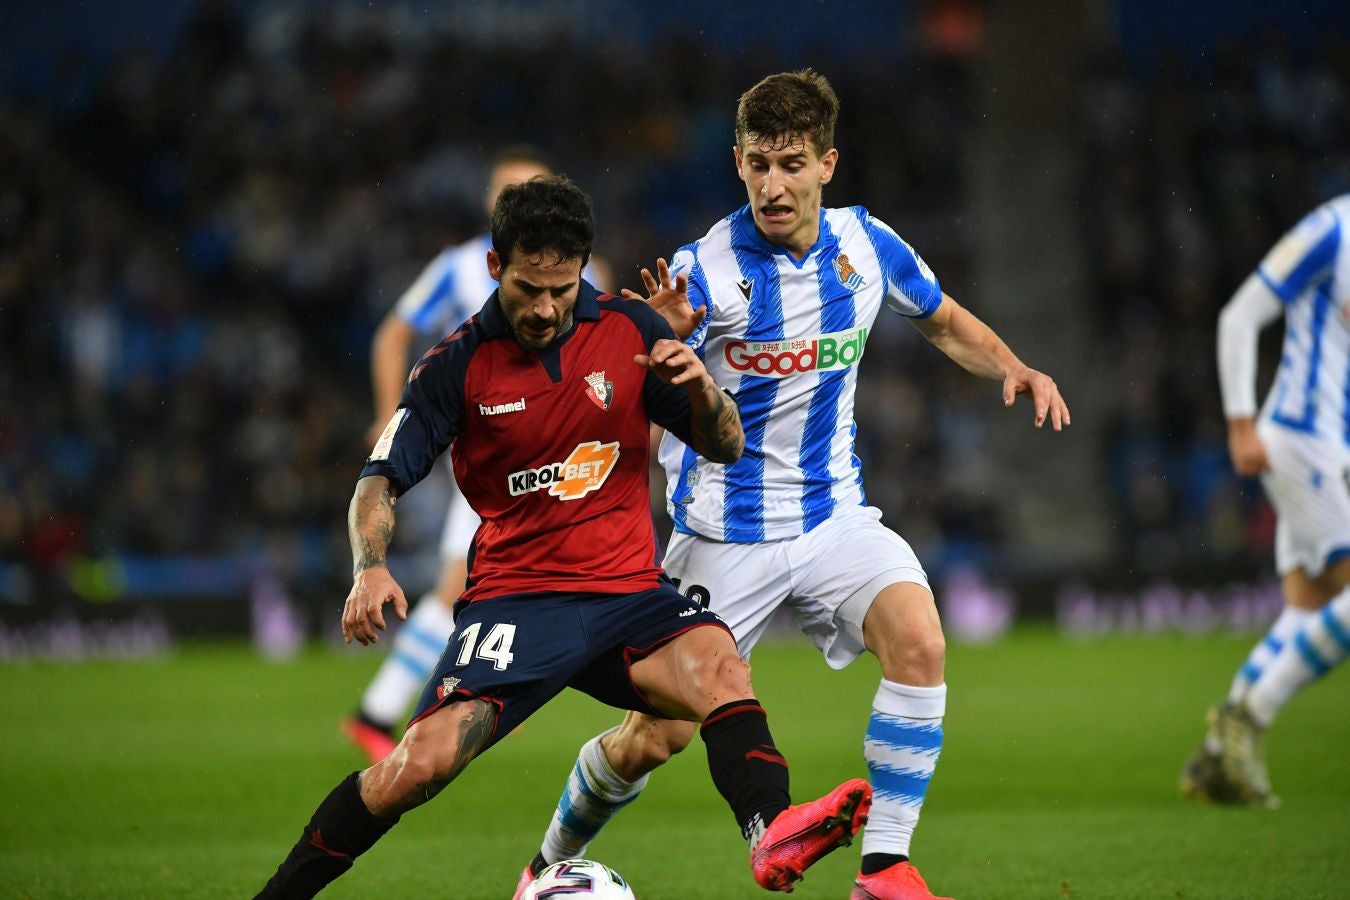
[578, 878]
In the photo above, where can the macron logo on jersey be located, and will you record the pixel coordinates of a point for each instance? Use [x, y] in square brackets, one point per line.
[499, 408]
[584, 470]
[779, 359]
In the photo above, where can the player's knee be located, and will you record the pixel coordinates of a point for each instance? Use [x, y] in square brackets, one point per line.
[930, 651]
[724, 674]
[916, 658]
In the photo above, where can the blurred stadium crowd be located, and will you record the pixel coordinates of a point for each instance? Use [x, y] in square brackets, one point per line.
[195, 249]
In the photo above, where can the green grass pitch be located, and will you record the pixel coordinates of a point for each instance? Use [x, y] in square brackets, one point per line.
[191, 777]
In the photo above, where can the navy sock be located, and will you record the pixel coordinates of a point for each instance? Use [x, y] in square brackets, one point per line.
[746, 767]
[341, 829]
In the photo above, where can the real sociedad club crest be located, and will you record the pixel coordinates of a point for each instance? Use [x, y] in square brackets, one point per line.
[847, 275]
[599, 390]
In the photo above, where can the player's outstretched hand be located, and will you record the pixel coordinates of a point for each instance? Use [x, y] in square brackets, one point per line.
[675, 363]
[364, 611]
[1045, 398]
[670, 299]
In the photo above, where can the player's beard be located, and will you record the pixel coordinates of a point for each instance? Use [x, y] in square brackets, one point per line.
[536, 332]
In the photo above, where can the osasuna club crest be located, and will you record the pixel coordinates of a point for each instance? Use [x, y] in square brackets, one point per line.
[599, 390]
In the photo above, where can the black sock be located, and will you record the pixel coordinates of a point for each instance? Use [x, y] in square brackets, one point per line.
[746, 767]
[341, 830]
[872, 863]
[538, 864]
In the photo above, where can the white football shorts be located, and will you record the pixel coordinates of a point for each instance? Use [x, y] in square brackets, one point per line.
[827, 577]
[461, 522]
[1307, 485]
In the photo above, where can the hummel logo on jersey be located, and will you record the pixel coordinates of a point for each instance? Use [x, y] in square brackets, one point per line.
[499, 408]
[689, 612]
[599, 390]
[779, 359]
[584, 470]
[745, 284]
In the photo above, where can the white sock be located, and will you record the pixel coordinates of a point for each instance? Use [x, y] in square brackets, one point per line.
[1291, 619]
[1314, 650]
[417, 648]
[593, 794]
[904, 739]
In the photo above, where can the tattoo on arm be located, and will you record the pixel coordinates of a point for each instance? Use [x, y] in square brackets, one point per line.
[717, 431]
[370, 522]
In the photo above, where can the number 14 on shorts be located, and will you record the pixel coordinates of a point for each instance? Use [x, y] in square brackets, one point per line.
[495, 646]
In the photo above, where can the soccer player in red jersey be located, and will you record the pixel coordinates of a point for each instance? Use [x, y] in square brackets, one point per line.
[448, 291]
[544, 399]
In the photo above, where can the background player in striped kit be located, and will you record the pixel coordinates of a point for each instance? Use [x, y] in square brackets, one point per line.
[451, 288]
[780, 297]
[1300, 446]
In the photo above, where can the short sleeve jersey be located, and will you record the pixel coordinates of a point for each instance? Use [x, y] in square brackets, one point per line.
[1309, 270]
[785, 336]
[550, 448]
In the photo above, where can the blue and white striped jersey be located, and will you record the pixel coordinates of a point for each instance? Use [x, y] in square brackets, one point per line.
[1309, 269]
[453, 287]
[786, 337]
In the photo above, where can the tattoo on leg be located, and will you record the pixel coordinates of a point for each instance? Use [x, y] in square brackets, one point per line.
[474, 731]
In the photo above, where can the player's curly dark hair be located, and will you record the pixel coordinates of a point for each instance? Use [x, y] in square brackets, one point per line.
[548, 214]
[788, 105]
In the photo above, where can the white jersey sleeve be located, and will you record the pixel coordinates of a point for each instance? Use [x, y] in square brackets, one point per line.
[911, 288]
[1305, 257]
[452, 287]
[1251, 309]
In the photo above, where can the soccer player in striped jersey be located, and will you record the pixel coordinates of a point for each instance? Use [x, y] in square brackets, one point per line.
[449, 290]
[1299, 445]
[778, 299]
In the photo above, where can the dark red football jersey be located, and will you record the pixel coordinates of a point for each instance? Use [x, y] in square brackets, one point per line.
[550, 447]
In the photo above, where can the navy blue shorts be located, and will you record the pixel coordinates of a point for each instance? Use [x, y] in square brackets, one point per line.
[519, 651]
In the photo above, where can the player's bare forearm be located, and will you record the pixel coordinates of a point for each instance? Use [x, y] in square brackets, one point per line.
[967, 341]
[716, 429]
[370, 522]
[715, 422]
[976, 348]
